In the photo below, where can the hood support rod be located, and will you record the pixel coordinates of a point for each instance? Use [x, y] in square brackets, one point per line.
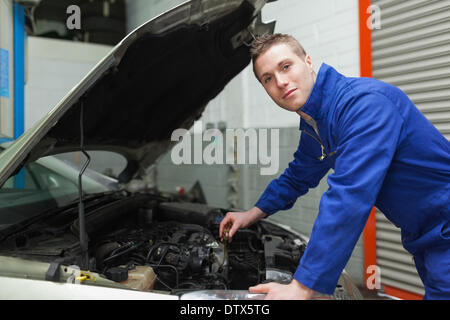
[81, 217]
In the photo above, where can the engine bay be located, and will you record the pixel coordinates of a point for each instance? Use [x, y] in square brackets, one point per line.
[178, 241]
[190, 256]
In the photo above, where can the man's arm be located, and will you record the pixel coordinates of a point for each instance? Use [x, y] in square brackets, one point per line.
[369, 132]
[303, 173]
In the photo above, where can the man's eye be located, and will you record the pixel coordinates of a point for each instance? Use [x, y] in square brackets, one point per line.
[266, 80]
[286, 66]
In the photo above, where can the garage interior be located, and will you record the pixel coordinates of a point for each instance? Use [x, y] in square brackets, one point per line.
[44, 54]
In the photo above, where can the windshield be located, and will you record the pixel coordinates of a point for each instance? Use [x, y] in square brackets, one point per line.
[46, 184]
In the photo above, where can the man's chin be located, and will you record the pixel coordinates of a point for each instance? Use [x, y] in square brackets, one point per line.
[293, 108]
[290, 107]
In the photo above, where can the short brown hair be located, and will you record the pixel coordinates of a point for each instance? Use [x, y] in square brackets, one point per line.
[263, 43]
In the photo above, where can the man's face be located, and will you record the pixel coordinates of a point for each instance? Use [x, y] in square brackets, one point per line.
[287, 78]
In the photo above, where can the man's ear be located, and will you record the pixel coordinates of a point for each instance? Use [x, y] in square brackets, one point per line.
[309, 63]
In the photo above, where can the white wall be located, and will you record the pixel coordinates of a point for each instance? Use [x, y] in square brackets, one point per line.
[53, 68]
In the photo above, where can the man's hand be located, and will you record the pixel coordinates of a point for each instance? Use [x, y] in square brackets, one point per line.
[276, 291]
[233, 221]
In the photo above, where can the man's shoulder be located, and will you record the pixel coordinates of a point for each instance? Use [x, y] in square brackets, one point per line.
[359, 92]
[354, 85]
[368, 90]
[365, 96]
[362, 86]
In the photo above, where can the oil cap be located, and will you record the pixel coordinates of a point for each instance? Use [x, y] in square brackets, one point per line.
[117, 274]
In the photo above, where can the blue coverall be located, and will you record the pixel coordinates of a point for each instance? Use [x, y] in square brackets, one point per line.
[384, 152]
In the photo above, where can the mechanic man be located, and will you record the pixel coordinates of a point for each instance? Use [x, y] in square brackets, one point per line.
[384, 152]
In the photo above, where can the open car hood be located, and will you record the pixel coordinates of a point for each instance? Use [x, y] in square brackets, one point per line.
[158, 78]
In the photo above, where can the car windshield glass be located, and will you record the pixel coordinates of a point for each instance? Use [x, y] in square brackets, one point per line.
[48, 183]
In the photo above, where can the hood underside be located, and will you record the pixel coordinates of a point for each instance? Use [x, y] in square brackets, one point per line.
[161, 82]
[158, 79]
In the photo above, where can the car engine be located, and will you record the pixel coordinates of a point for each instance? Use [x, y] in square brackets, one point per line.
[189, 256]
[177, 240]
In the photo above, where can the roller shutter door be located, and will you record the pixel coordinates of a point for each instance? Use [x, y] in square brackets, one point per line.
[411, 50]
[396, 264]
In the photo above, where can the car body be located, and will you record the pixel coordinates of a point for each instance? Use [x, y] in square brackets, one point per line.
[77, 234]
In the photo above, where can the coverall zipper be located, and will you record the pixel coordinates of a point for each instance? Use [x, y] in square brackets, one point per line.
[319, 140]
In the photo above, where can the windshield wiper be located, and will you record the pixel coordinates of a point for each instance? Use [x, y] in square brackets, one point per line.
[16, 227]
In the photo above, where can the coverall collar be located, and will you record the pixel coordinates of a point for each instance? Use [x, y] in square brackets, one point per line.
[321, 95]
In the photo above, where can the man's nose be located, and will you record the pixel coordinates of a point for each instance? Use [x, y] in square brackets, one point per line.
[282, 81]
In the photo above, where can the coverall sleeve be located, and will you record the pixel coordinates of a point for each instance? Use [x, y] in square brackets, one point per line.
[368, 132]
[304, 172]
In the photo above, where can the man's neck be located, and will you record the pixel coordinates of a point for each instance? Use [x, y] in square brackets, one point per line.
[304, 115]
